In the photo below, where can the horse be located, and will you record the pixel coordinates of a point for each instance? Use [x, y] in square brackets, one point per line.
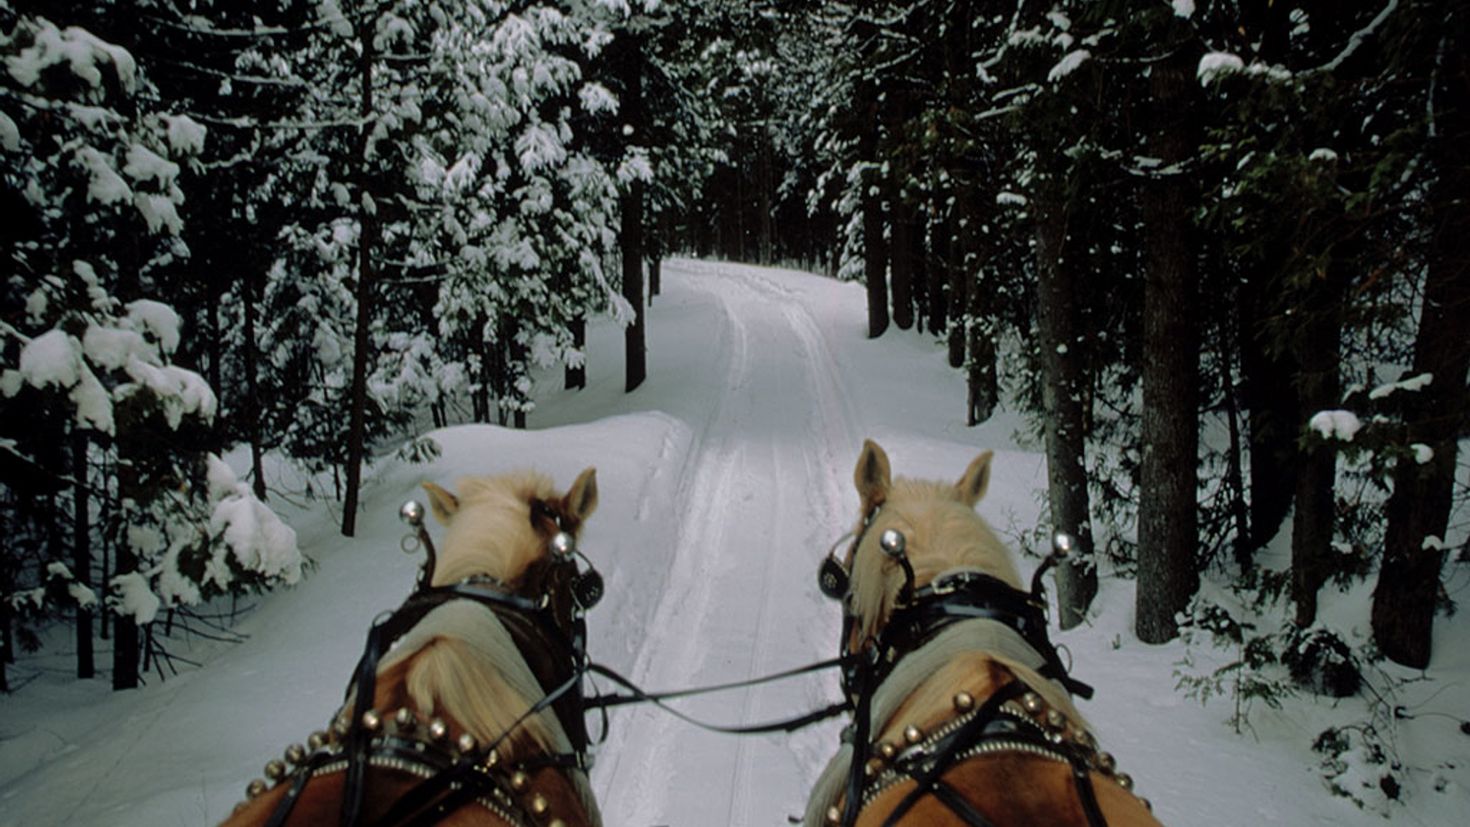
[475, 716]
[962, 708]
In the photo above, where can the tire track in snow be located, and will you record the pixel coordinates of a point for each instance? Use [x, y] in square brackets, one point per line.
[761, 500]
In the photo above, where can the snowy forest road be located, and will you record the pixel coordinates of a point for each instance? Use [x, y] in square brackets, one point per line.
[760, 500]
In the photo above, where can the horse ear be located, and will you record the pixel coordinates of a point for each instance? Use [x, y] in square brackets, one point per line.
[972, 485]
[872, 476]
[443, 502]
[581, 499]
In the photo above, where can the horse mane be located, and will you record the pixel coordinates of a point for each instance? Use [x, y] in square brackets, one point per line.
[460, 657]
[491, 533]
[943, 533]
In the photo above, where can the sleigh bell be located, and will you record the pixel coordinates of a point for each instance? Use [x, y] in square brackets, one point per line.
[832, 579]
[563, 544]
[587, 589]
[893, 543]
[412, 512]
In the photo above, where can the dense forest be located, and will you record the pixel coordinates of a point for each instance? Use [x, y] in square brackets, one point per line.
[1229, 237]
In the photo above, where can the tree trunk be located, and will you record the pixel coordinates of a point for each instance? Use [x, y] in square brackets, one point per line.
[251, 408]
[938, 272]
[366, 248]
[1066, 468]
[1408, 590]
[576, 377]
[1168, 500]
[1269, 391]
[875, 253]
[1319, 332]
[959, 286]
[632, 221]
[81, 551]
[903, 260]
[919, 281]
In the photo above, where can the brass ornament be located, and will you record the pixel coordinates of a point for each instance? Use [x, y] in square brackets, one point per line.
[539, 804]
[964, 702]
[466, 743]
[1106, 762]
[255, 789]
[887, 750]
[275, 769]
[1054, 718]
[913, 734]
[519, 781]
[316, 740]
[371, 721]
[438, 730]
[1124, 780]
[834, 815]
[405, 718]
[295, 754]
[1032, 702]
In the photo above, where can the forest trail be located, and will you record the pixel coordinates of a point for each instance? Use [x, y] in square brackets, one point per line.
[760, 499]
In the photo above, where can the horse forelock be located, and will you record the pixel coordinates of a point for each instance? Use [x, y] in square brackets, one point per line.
[941, 533]
[491, 533]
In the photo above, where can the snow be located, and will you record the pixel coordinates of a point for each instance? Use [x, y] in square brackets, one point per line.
[81, 50]
[104, 184]
[1183, 8]
[132, 596]
[144, 165]
[1413, 383]
[185, 135]
[1215, 65]
[723, 480]
[51, 359]
[1422, 453]
[158, 319]
[1343, 425]
[9, 134]
[1067, 65]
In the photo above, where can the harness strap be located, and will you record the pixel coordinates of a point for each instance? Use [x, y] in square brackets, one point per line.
[1082, 777]
[959, 805]
[862, 723]
[288, 803]
[358, 738]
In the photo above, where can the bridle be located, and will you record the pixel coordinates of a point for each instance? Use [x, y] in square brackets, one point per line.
[1003, 722]
[549, 630]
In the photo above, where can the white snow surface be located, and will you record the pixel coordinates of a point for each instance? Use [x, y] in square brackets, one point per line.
[723, 481]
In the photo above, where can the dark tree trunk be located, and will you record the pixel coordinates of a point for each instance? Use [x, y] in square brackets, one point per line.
[576, 377]
[1062, 395]
[1234, 473]
[978, 347]
[763, 185]
[1167, 507]
[366, 249]
[125, 638]
[1319, 332]
[920, 278]
[1405, 600]
[875, 253]
[1269, 391]
[251, 407]
[81, 551]
[938, 272]
[631, 237]
[903, 261]
[959, 290]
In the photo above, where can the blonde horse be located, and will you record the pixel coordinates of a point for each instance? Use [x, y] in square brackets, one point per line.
[963, 712]
[474, 717]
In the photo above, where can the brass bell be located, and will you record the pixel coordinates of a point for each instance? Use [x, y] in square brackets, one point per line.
[1085, 740]
[834, 815]
[539, 804]
[519, 780]
[1124, 780]
[913, 734]
[316, 740]
[256, 789]
[438, 730]
[893, 543]
[1147, 805]
[1032, 702]
[412, 512]
[295, 754]
[1106, 762]
[342, 726]
[563, 544]
[887, 750]
[275, 769]
[372, 721]
[964, 702]
[1054, 718]
[873, 767]
[466, 743]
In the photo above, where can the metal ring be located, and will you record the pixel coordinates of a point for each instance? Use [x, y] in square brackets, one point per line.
[410, 544]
